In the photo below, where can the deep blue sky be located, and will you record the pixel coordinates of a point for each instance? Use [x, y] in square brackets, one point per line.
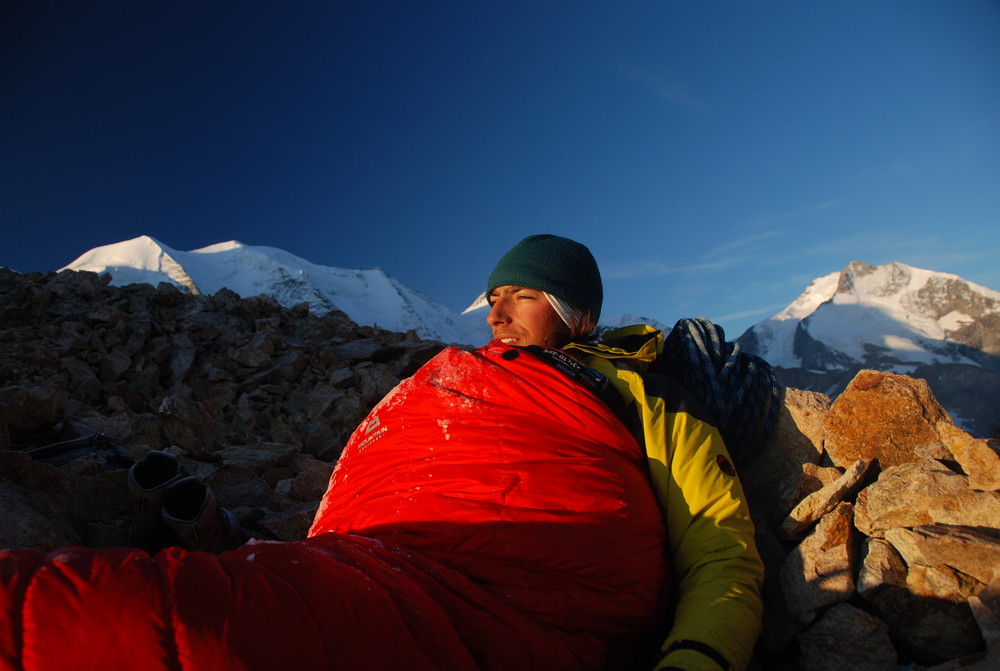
[715, 156]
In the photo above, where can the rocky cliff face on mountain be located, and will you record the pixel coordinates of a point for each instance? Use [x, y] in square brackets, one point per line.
[896, 318]
[877, 517]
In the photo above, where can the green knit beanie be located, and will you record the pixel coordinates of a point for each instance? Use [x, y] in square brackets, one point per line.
[560, 266]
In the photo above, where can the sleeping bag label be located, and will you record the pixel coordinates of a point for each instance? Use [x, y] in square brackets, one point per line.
[373, 431]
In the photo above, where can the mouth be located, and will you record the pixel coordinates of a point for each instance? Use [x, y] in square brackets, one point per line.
[505, 338]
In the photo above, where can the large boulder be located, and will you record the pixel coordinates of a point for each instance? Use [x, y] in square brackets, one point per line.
[884, 416]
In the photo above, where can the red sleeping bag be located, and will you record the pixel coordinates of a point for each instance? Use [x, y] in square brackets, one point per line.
[489, 514]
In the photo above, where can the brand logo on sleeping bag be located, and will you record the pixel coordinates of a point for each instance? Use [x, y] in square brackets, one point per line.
[725, 465]
[373, 431]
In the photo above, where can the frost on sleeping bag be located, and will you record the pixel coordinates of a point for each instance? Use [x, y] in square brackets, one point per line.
[488, 514]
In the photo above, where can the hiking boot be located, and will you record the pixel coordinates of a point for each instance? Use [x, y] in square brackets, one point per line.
[190, 509]
[148, 481]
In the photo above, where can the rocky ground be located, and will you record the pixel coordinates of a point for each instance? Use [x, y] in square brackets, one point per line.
[878, 519]
[879, 524]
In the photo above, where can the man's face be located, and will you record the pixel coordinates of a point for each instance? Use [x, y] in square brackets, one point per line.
[522, 317]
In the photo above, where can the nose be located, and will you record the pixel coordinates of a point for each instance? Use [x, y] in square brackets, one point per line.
[498, 313]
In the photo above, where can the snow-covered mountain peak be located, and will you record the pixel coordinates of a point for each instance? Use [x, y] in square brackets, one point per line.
[896, 318]
[227, 246]
[861, 279]
[934, 304]
[889, 314]
[818, 292]
[141, 259]
[368, 296]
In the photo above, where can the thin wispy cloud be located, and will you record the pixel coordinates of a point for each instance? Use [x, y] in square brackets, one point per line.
[745, 242]
[778, 216]
[869, 246]
[730, 255]
[755, 312]
[747, 249]
[664, 88]
[880, 247]
[639, 270]
[636, 270]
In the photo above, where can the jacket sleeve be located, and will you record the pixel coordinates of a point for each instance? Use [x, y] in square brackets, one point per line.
[711, 537]
[718, 614]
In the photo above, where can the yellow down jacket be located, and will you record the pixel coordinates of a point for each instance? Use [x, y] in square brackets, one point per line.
[718, 571]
